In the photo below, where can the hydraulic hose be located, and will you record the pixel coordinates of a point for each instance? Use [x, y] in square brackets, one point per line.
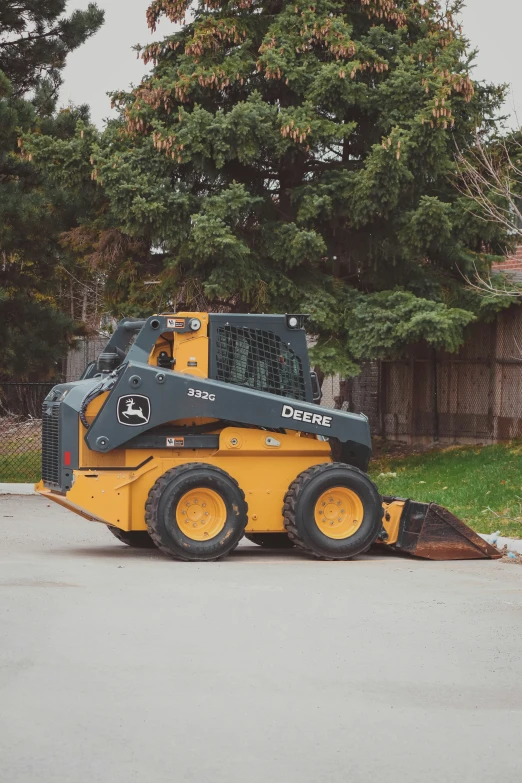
[105, 385]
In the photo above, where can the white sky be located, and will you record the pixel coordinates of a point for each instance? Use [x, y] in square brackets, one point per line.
[106, 62]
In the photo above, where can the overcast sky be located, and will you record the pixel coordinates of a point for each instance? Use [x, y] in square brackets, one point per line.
[106, 62]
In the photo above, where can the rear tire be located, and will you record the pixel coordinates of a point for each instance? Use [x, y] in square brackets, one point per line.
[333, 511]
[138, 539]
[271, 540]
[196, 512]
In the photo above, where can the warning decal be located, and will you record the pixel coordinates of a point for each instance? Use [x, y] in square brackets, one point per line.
[175, 443]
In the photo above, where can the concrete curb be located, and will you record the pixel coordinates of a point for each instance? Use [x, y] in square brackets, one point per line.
[513, 544]
[17, 489]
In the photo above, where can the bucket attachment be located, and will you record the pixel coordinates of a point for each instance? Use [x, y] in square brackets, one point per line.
[431, 531]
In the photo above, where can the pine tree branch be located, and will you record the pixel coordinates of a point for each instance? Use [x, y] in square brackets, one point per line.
[486, 285]
[54, 32]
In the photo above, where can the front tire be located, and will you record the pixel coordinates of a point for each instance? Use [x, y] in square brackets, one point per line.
[196, 512]
[333, 511]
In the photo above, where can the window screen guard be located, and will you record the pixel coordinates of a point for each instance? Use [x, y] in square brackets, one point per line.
[260, 360]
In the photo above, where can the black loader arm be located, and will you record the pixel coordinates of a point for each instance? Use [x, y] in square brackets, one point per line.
[115, 350]
[145, 397]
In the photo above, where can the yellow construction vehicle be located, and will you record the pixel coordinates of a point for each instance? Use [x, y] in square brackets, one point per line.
[193, 430]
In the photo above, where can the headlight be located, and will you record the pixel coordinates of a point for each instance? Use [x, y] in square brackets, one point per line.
[295, 321]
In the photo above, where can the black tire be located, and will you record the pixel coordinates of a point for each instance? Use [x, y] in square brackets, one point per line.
[299, 511]
[271, 540]
[138, 539]
[162, 505]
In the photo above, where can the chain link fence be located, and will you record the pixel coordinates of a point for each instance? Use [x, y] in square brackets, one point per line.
[21, 430]
[21, 411]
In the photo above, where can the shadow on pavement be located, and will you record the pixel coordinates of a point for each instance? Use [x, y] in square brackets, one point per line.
[108, 552]
[243, 553]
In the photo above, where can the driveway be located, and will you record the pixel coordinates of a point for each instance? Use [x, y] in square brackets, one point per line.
[120, 665]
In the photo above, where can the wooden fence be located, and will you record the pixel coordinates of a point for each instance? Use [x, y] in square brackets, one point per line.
[473, 395]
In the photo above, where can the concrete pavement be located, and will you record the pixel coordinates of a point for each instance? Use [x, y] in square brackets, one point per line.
[120, 665]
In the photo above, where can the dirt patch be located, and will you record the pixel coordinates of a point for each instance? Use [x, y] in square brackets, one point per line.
[511, 557]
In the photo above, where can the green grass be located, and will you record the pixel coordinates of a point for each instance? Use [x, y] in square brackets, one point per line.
[476, 483]
[24, 468]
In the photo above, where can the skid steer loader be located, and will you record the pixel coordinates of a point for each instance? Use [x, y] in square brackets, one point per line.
[193, 430]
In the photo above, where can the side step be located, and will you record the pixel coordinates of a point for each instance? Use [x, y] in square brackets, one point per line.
[431, 531]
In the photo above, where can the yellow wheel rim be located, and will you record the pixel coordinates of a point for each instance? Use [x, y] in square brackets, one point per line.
[201, 514]
[339, 513]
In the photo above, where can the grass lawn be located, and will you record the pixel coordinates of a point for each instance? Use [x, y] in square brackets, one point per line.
[480, 484]
[24, 468]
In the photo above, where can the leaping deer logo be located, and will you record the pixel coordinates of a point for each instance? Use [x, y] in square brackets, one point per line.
[132, 411]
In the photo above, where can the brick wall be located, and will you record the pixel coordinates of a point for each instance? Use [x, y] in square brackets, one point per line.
[512, 265]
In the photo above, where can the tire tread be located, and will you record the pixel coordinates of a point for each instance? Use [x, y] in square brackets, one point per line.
[153, 499]
[292, 496]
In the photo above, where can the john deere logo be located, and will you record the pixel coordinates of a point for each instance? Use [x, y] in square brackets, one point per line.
[134, 410]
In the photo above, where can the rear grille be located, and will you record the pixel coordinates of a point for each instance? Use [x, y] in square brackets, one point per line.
[50, 443]
[260, 360]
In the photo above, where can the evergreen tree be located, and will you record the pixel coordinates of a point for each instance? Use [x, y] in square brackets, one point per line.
[34, 211]
[298, 155]
[35, 39]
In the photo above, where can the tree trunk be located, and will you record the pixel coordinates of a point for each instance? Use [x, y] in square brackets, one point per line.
[84, 306]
